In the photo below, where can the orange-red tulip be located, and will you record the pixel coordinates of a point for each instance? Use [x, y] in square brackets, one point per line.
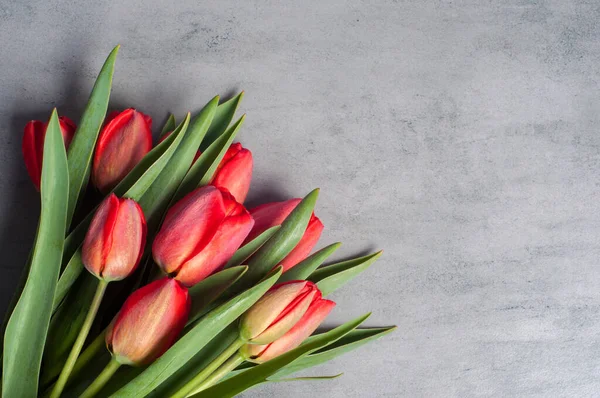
[277, 311]
[200, 234]
[123, 142]
[149, 322]
[33, 145]
[272, 214]
[115, 240]
[313, 317]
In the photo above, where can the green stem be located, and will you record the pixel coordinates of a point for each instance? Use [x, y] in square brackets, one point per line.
[90, 352]
[85, 329]
[102, 379]
[206, 372]
[218, 374]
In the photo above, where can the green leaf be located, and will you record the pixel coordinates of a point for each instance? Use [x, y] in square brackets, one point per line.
[156, 199]
[209, 289]
[202, 171]
[282, 242]
[28, 325]
[134, 185]
[169, 125]
[307, 378]
[304, 268]
[334, 276]
[65, 326]
[223, 117]
[349, 342]
[244, 252]
[193, 341]
[259, 374]
[84, 141]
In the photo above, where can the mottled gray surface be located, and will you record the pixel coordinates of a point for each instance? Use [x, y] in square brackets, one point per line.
[461, 137]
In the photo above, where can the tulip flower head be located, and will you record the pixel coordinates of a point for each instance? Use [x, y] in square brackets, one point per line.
[313, 317]
[149, 322]
[123, 142]
[114, 242]
[234, 173]
[277, 311]
[33, 145]
[272, 214]
[200, 233]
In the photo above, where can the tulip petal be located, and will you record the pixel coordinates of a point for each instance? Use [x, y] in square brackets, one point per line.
[266, 311]
[311, 320]
[149, 322]
[304, 247]
[96, 245]
[33, 145]
[226, 240]
[235, 172]
[127, 242]
[123, 142]
[189, 225]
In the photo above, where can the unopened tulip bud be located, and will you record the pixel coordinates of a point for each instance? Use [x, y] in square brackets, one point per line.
[123, 142]
[115, 240]
[234, 173]
[200, 233]
[314, 316]
[277, 311]
[272, 214]
[33, 145]
[149, 322]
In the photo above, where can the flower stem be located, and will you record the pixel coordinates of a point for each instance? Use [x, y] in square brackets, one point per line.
[90, 352]
[102, 379]
[218, 374]
[85, 329]
[196, 382]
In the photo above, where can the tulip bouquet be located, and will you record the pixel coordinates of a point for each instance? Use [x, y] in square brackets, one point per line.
[156, 280]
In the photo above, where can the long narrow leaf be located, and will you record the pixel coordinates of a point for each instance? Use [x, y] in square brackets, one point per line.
[304, 268]
[260, 374]
[223, 116]
[244, 252]
[193, 341]
[209, 289]
[334, 276]
[82, 146]
[281, 243]
[169, 125]
[28, 325]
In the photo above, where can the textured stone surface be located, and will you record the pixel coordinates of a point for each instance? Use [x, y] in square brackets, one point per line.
[461, 137]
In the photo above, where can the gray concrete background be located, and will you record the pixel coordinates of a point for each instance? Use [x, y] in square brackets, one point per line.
[461, 137]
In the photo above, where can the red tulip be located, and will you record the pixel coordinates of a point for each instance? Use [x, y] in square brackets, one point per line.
[234, 173]
[149, 322]
[316, 313]
[114, 243]
[33, 145]
[200, 234]
[123, 142]
[277, 311]
[272, 214]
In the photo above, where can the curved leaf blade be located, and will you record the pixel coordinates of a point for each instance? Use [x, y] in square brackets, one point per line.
[244, 252]
[169, 125]
[304, 268]
[334, 276]
[27, 327]
[84, 141]
[259, 374]
[209, 289]
[282, 242]
[223, 117]
[193, 341]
